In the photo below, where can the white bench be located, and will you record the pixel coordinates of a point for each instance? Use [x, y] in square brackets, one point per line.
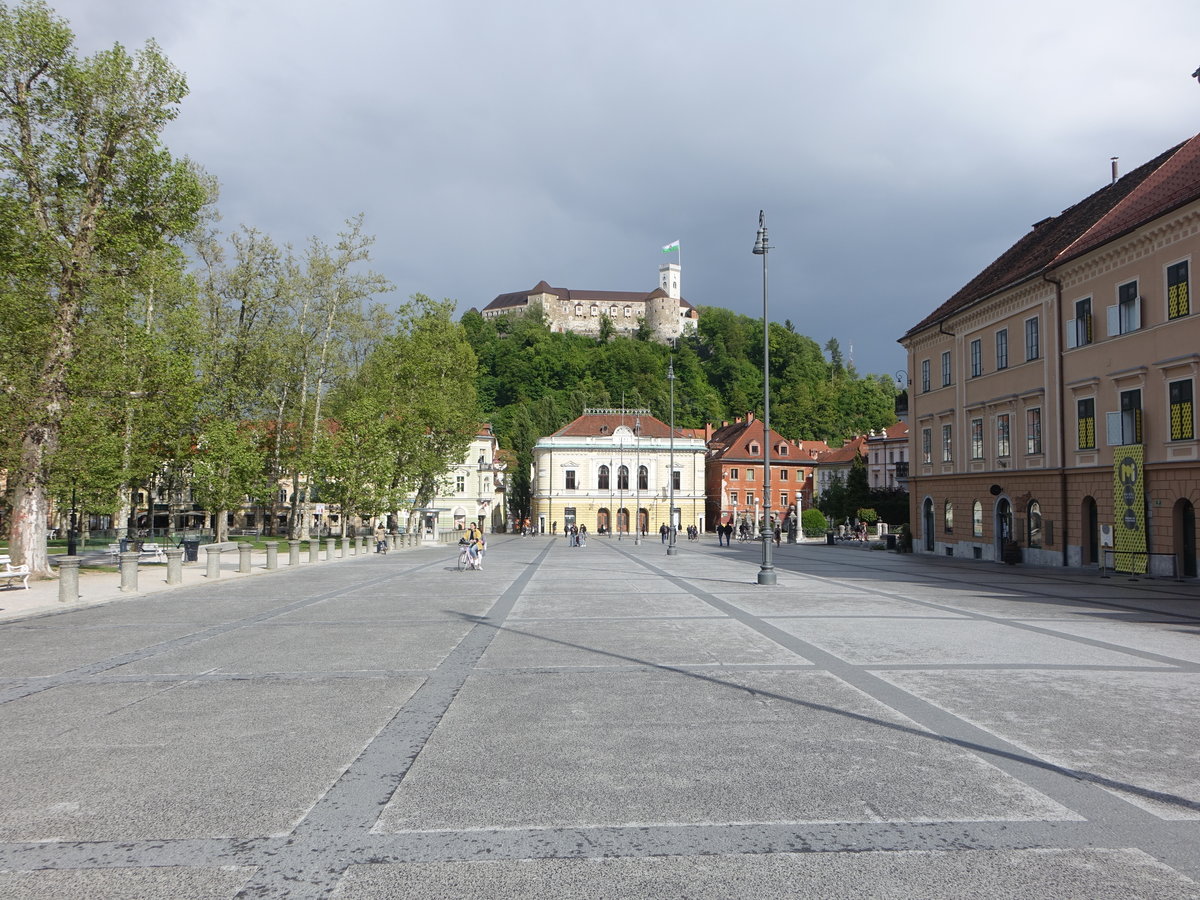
[150, 552]
[13, 573]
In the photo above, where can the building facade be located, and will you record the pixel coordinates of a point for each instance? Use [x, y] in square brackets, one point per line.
[473, 491]
[735, 474]
[612, 470]
[887, 458]
[1052, 397]
[664, 310]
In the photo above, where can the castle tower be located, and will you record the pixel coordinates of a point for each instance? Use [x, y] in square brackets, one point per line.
[668, 279]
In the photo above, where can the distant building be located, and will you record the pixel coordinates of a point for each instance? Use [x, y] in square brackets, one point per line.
[887, 458]
[1052, 402]
[734, 476]
[472, 492]
[610, 470]
[664, 310]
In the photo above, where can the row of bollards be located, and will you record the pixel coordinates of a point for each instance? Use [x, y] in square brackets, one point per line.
[127, 562]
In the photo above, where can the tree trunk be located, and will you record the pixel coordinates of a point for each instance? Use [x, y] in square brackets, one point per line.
[27, 540]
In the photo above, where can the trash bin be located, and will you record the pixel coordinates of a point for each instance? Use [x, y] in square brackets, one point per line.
[891, 540]
[191, 549]
[829, 538]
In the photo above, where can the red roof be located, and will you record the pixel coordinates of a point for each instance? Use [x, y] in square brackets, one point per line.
[521, 298]
[600, 424]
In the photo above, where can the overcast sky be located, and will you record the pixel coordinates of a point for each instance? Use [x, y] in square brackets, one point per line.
[897, 146]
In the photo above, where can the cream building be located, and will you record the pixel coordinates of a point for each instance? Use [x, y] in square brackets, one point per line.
[471, 492]
[612, 468]
[1052, 398]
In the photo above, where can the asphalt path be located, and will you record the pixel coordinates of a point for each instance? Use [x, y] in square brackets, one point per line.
[608, 721]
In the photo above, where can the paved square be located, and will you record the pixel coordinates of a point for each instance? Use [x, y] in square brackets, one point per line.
[608, 722]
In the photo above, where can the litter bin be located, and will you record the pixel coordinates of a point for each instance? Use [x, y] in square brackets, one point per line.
[891, 540]
[829, 538]
[191, 549]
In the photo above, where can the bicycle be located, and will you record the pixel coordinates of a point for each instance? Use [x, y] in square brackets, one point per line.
[467, 559]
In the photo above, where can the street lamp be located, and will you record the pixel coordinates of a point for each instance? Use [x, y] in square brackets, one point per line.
[637, 489]
[671, 549]
[766, 574]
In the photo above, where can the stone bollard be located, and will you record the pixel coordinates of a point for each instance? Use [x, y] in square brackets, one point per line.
[362, 544]
[293, 553]
[244, 558]
[129, 570]
[329, 542]
[342, 549]
[272, 554]
[391, 538]
[174, 565]
[214, 561]
[314, 549]
[68, 579]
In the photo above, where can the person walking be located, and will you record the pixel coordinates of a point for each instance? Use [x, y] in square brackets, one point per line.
[663, 531]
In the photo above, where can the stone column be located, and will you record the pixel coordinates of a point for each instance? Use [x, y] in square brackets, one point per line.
[129, 570]
[244, 557]
[174, 565]
[213, 561]
[329, 542]
[314, 549]
[392, 541]
[272, 554]
[293, 553]
[345, 544]
[68, 579]
[362, 544]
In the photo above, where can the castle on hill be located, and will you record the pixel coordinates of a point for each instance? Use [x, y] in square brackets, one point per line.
[665, 312]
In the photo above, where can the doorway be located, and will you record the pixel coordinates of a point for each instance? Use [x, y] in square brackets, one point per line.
[1091, 532]
[927, 524]
[1004, 526]
[1185, 537]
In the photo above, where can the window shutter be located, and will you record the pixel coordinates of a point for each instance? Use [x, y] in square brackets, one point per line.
[1135, 317]
[1072, 331]
[1114, 320]
[1112, 422]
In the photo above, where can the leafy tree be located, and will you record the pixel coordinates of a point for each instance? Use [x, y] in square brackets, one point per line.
[87, 193]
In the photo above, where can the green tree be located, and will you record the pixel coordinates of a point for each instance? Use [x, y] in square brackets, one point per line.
[87, 193]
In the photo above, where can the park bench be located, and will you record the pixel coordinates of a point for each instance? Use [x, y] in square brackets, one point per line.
[13, 573]
[150, 552]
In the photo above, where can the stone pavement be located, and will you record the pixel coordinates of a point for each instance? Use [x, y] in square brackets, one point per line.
[607, 722]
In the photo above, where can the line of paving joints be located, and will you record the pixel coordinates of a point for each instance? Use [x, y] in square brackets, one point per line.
[355, 801]
[84, 674]
[338, 851]
[1082, 793]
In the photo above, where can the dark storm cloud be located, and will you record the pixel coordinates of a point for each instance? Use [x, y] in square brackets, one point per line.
[897, 148]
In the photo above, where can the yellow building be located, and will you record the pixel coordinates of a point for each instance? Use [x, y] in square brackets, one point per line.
[611, 464]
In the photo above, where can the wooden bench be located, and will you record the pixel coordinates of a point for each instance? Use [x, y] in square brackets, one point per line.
[13, 573]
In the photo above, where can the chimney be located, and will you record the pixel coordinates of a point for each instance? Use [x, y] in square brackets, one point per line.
[749, 418]
[1113, 160]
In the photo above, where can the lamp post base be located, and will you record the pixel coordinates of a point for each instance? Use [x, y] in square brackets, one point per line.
[766, 576]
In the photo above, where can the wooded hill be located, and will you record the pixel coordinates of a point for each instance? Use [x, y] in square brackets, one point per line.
[532, 381]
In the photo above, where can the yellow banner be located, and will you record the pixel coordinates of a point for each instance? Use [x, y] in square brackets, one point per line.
[1129, 510]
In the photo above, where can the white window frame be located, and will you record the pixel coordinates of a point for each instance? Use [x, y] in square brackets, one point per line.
[1126, 316]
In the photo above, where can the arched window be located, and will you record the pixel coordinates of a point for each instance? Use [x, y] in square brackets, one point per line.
[623, 478]
[602, 478]
[977, 519]
[948, 516]
[643, 478]
[1035, 524]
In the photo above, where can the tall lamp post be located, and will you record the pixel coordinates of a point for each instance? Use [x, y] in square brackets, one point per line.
[637, 488]
[671, 548]
[766, 574]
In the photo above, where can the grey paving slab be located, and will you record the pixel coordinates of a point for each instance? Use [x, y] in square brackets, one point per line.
[612, 604]
[1016, 875]
[281, 646]
[655, 748]
[1135, 730]
[232, 758]
[676, 642]
[33, 648]
[943, 641]
[166, 883]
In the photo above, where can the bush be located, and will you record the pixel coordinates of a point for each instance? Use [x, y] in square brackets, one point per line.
[867, 515]
[813, 523]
